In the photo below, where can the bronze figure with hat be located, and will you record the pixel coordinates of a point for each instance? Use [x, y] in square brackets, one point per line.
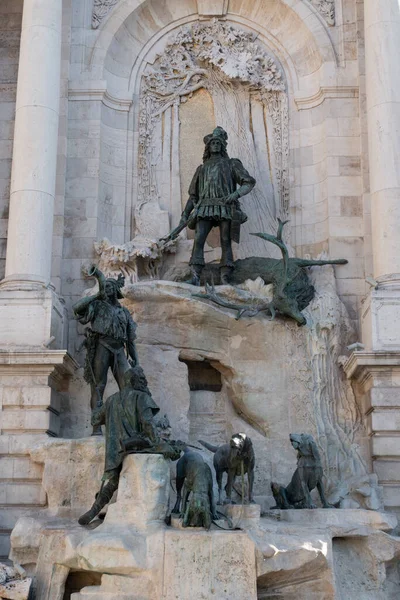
[110, 340]
[214, 195]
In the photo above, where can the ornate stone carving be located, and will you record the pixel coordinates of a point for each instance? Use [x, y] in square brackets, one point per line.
[247, 87]
[101, 8]
[115, 259]
[326, 8]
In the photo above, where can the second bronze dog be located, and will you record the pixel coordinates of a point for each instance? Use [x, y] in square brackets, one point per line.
[228, 459]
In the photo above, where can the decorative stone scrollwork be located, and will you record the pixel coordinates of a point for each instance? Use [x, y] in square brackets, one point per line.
[326, 8]
[101, 8]
[248, 90]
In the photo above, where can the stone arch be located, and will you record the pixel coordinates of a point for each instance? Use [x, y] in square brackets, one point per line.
[249, 100]
[296, 32]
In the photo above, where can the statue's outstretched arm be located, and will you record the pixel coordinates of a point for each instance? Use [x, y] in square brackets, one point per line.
[82, 305]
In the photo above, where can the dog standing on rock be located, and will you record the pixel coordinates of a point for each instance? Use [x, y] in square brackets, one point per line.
[228, 459]
[194, 476]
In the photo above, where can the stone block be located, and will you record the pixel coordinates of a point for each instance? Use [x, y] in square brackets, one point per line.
[72, 473]
[142, 492]
[387, 470]
[391, 496]
[381, 317]
[199, 565]
[19, 309]
[385, 446]
[243, 516]
[20, 493]
[212, 8]
[385, 420]
[388, 397]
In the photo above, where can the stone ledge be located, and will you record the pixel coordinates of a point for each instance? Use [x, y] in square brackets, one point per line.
[340, 521]
[358, 365]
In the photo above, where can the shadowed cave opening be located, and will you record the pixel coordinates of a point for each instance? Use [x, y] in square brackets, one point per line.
[77, 580]
[208, 402]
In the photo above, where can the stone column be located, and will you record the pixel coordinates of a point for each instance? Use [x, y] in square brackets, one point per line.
[382, 50]
[30, 314]
[33, 178]
[381, 322]
[33, 377]
[376, 371]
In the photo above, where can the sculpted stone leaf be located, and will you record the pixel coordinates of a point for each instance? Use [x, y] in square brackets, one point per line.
[101, 8]
[326, 8]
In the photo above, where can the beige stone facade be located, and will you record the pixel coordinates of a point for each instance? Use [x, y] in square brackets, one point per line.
[103, 107]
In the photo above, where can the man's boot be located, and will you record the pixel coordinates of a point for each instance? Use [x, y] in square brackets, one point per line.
[226, 273]
[196, 273]
[102, 498]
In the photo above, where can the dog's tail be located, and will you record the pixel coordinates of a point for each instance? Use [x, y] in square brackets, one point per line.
[209, 447]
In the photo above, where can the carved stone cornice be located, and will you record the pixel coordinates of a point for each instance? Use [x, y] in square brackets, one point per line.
[361, 366]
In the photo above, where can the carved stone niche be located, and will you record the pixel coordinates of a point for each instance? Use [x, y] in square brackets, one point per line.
[248, 98]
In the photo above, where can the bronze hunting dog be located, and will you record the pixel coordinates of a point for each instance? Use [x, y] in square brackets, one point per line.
[228, 459]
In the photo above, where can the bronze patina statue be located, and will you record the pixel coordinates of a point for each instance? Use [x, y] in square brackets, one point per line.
[214, 202]
[128, 416]
[307, 476]
[292, 290]
[111, 338]
[235, 458]
[195, 477]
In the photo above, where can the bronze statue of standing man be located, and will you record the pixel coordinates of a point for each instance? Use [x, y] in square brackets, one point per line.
[110, 341]
[213, 201]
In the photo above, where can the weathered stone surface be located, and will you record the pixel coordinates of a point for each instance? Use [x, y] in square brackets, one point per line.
[142, 497]
[276, 378]
[340, 521]
[72, 472]
[206, 565]
[14, 584]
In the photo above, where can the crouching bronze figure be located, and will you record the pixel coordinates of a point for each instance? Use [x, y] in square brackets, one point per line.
[128, 417]
[307, 476]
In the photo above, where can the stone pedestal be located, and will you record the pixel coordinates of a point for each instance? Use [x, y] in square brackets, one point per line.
[208, 565]
[32, 385]
[243, 516]
[380, 317]
[376, 377]
[143, 492]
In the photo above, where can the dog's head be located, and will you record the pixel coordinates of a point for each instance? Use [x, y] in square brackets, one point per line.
[237, 443]
[305, 445]
[198, 512]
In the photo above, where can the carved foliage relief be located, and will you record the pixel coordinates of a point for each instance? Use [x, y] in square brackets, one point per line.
[249, 97]
[326, 8]
[101, 8]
